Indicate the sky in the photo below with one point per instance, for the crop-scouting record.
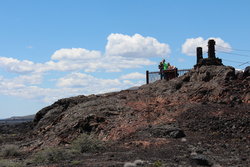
(62, 48)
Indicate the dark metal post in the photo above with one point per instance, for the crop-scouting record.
(211, 49)
(199, 54)
(177, 74)
(147, 77)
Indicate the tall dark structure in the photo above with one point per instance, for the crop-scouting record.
(211, 60)
(199, 54)
(211, 49)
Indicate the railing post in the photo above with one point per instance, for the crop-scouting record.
(147, 77)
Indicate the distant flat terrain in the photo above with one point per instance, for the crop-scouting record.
(19, 119)
(12, 121)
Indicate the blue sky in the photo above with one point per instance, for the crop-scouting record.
(62, 48)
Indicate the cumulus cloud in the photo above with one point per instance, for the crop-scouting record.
(135, 75)
(135, 46)
(122, 52)
(20, 81)
(22, 86)
(46, 95)
(75, 54)
(33, 79)
(190, 45)
(106, 64)
(70, 85)
(77, 79)
(75, 83)
(17, 66)
(92, 84)
(116, 64)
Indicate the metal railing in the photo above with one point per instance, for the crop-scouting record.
(155, 76)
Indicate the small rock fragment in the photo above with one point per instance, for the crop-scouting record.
(200, 159)
(129, 164)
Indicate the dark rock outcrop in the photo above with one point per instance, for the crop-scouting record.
(246, 72)
(116, 115)
(167, 131)
(209, 106)
(201, 160)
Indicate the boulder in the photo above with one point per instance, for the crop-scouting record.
(246, 72)
(201, 160)
(172, 131)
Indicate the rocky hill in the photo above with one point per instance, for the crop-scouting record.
(201, 118)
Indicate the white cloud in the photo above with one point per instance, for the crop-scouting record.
(75, 54)
(122, 52)
(135, 53)
(90, 83)
(22, 86)
(70, 85)
(46, 95)
(135, 75)
(135, 46)
(20, 81)
(190, 45)
(116, 64)
(29, 79)
(106, 64)
(17, 66)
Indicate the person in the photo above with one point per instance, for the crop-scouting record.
(161, 69)
(172, 71)
(170, 67)
(165, 65)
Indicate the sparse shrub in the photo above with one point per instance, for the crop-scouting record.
(87, 143)
(10, 151)
(51, 156)
(8, 163)
(1, 139)
(158, 164)
(75, 163)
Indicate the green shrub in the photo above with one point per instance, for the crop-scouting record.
(10, 151)
(158, 164)
(8, 163)
(51, 156)
(87, 143)
(75, 162)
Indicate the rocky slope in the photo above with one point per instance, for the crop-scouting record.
(201, 118)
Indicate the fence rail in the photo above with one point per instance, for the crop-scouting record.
(155, 75)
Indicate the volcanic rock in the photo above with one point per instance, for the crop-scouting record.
(246, 72)
(114, 116)
(201, 160)
(167, 131)
(209, 106)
